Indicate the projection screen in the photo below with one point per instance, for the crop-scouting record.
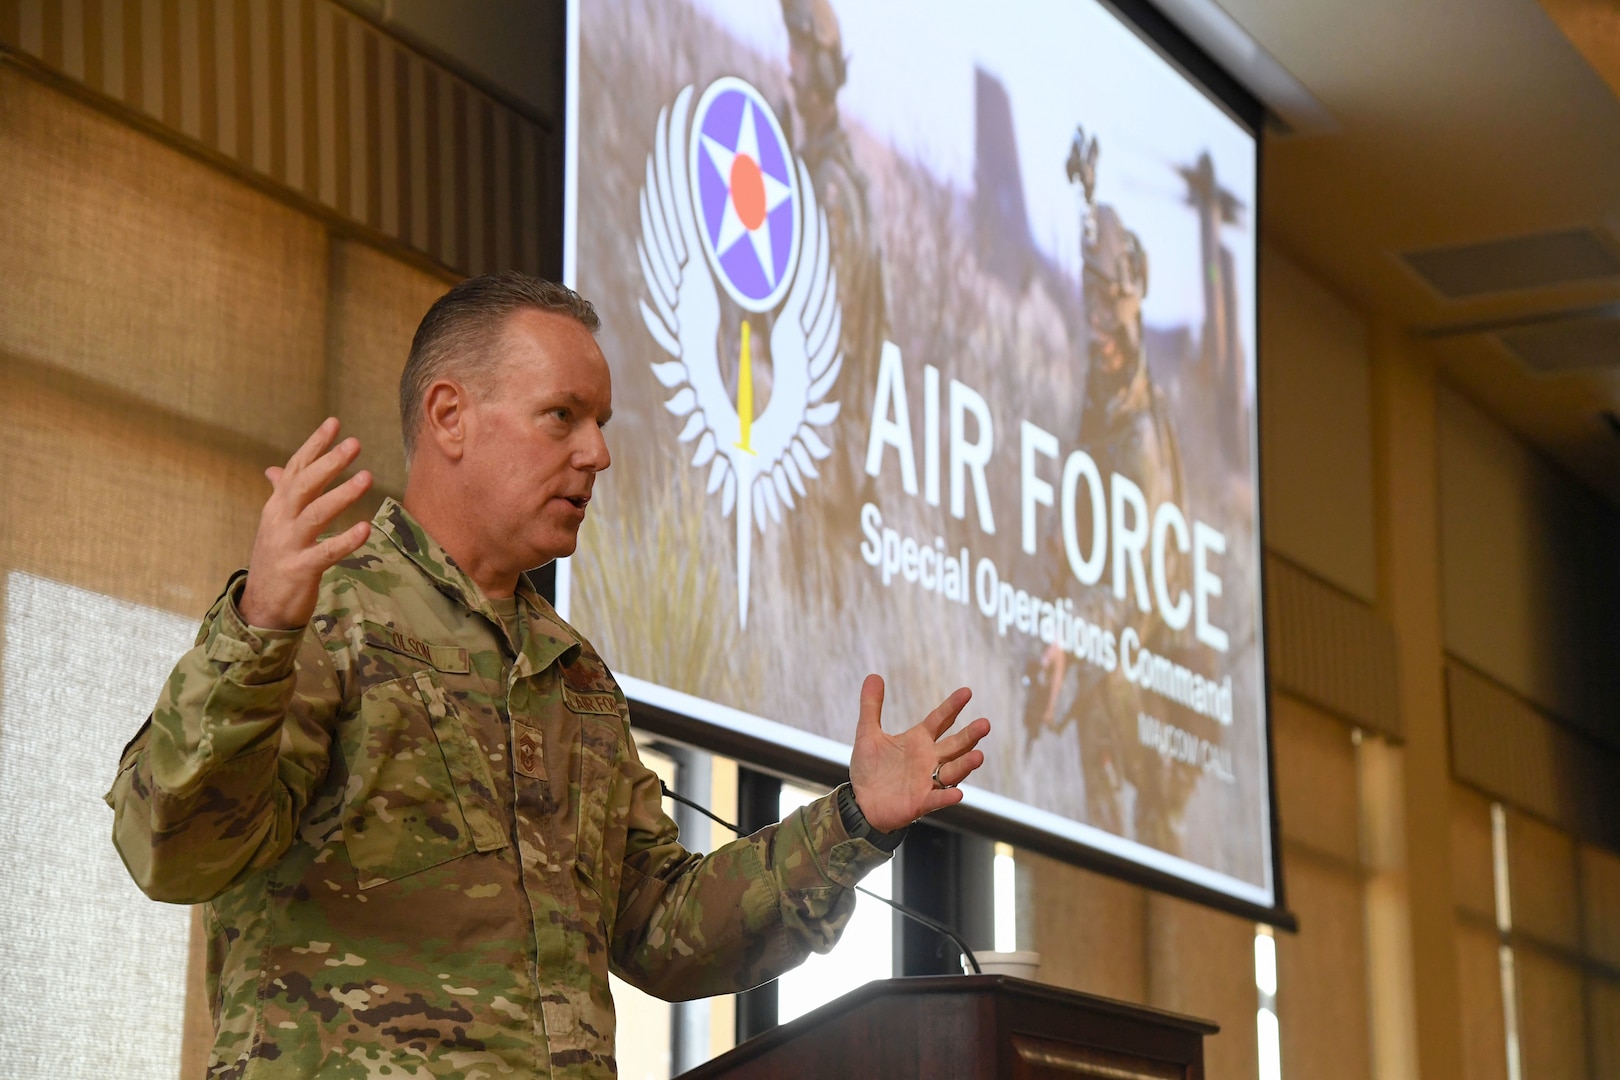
(933, 345)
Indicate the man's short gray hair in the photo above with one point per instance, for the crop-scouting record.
(459, 334)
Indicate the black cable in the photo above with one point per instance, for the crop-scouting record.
(916, 916)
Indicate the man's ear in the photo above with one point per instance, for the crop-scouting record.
(444, 417)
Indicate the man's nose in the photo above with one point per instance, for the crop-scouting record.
(593, 455)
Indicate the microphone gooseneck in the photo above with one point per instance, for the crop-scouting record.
(915, 916)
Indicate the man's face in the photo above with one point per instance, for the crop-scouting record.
(1113, 316)
(535, 440)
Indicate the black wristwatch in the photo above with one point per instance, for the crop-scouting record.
(857, 826)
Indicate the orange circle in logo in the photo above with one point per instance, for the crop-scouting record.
(748, 191)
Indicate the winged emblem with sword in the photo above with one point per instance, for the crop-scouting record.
(727, 206)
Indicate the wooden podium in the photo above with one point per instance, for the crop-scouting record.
(956, 1027)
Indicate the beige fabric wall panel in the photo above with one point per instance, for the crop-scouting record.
(1316, 782)
(1329, 648)
(1506, 747)
(1316, 428)
(1600, 907)
(1528, 571)
(1479, 987)
(377, 302)
(1088, 929)
(1322, 1003)
(1541, 870)
(1472, 875)
(143, 269)
(1603, 1016)
(1486, 478)
(321, 103)
(1201, 962)
(113, 498)
(1552, 1019)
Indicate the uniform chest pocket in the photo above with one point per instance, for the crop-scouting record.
(596, 755)
(419, 791)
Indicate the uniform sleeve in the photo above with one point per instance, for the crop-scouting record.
(213, 785)
(697, 925)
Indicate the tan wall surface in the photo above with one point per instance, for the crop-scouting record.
(1316, 428)
(1529, 570)
(1603, 1010)
(1546, 896)
(1316, 780)
(1323, 989)
(1600, 905)
(1484, 1036)
(1552, 1020)
(1322, 995)
(115, 500)
(320, 103)
(376, 303)
(1201, 962)
(136, 266)
(1472, 875)
(1089, 929)
(1507, 748)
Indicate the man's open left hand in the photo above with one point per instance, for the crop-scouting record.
(289, 554)
(894, 775)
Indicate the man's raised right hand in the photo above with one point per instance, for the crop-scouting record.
(289, 557)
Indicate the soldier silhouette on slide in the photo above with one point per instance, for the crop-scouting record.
(1126, 427)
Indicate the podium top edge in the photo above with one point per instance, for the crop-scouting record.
(1004, 988)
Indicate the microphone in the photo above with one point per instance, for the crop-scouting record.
(915, 916)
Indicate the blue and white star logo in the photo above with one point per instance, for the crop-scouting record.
(742, 174)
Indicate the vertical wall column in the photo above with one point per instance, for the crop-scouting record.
(1407, 505)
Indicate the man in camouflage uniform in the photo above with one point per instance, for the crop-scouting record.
(406, 791)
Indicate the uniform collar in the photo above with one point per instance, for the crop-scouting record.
(548, 637)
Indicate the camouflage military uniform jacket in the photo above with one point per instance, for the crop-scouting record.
(422, 845)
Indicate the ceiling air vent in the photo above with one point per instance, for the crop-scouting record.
(1520, 262)
(1569, 345)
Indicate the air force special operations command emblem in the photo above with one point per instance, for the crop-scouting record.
(726, 202)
